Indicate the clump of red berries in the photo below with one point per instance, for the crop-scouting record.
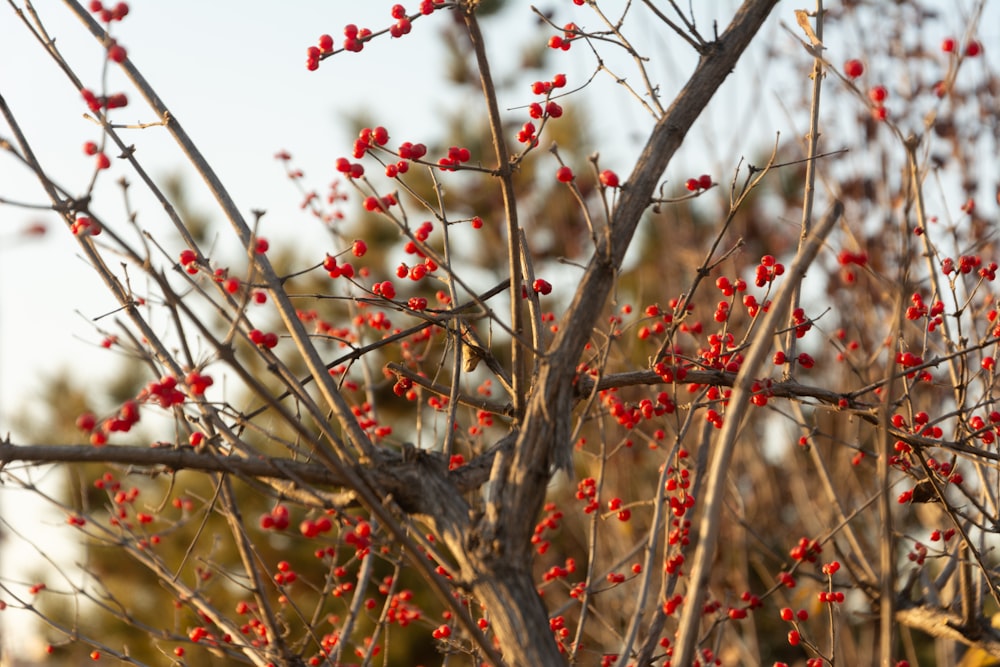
(703, 182)
(806, 550)
(96, 103)
(402, 25)
(84, 226)
(276, 519)
(457, 155)
(109, 14)
(570, 32)
(767, 270)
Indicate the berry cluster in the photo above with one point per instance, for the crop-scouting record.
(355, 38)
(106, 14)
(563, 43)
(703, 182)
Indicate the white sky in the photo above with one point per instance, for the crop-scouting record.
(234, 74)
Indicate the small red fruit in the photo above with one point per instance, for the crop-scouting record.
(564, 174)
(117, 53)
(609, 179)
(86, 422)
(878, 94)
(854, 68)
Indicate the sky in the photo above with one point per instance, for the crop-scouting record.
(234, 75)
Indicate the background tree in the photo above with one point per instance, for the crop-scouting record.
(531, 411)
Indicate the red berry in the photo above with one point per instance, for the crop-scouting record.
(609, 179)
(103, 162)
(418, 272)
(948, 44)
(90, 148)
(564, 174)
(878, 94)
(86, 422)
(308, 529)
(854, 68)
(93, 103)
(691, 184)
(325, 43)
(704, 181)
(973, 48)
(117, 53)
